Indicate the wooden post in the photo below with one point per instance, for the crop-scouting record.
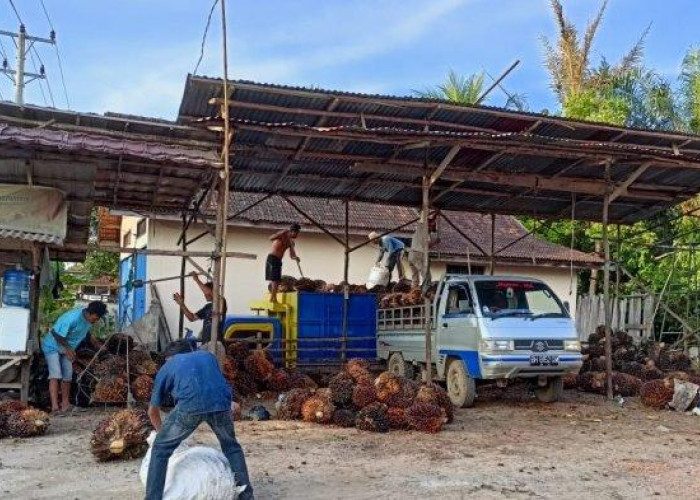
(183, 268)
(219, 276)
(493, 244)
(606, 286)
(346, 286)
(426, 267)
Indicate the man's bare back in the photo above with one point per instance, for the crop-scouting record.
(281, 242)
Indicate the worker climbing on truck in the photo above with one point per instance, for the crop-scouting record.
(205, 313)
(392, 246)
(281, 242)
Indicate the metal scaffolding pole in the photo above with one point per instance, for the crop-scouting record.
(606, 286)
(346, 284)
(183, 268)
(426, 267)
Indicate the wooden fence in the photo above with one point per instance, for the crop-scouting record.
(633, 313)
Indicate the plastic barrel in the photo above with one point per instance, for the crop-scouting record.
(15, 288)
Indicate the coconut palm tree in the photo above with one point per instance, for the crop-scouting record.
(690, 89)
(457, 88)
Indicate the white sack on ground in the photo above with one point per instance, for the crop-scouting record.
(195, 473)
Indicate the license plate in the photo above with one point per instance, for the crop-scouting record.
(543, 360)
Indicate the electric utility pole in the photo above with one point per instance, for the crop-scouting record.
(24, 44)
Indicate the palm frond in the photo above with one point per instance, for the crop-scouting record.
(633, 58)
(591, 31)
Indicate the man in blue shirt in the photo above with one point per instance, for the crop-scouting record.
(59, 345)
(201, 394)
(392, 246)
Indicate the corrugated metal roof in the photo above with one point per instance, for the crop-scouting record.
(310, 138)
(28, 236)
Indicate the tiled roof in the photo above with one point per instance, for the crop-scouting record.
(366, 217)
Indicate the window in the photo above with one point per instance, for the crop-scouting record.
(514, 298)
(126, 241)
(141, 228)
(461, 269)
(458, 300)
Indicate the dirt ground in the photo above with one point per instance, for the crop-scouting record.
(506, 447)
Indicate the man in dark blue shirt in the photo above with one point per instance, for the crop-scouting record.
(201, 394)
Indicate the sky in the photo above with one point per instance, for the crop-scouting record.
(132, 56)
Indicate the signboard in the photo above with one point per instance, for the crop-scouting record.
(33, 213)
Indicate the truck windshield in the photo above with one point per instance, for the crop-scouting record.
(514, 298)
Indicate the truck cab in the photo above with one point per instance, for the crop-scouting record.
(487, 328)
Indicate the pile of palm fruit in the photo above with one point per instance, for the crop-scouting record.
(354, 398)
(107, 376)
(21, 421)
(395, 294)
(647, 370)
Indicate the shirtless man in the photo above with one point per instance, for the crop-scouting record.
(281, 241)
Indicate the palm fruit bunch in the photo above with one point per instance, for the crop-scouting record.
(320, 285)
(358, 289)
(632, 368)
(120, 344)
(397, 418)
(301, 381)
(258, 365)
(341, 386)
(317, 409)
(3, 426)
(651, 372)
(436, 395)
(594, 350)
(27, 423)
(83, 357)
(414, 297)
(142, 388)
(598, 364)
(592, 382)
(141, 363)
(11, 406)
(424, 417)
(394, 390)
(110, 366)
(287, 284)
(291, 404)
(359, 370)
(625, 384)
(570, 380)
(403, 286)
(364, 394)
(344, 418)
(278, 380)
(238, 351)
(305, 285)
(229, 369)
(244, 384)
(121, 436)
(110, 389)
(373, 418)
(657, 393)
(674, 361)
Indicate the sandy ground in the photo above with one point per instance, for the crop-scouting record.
(505, 447)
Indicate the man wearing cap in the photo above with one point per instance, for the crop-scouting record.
(59, 345)
(392, 246)
(206, 312)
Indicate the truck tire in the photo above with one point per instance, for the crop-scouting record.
(552, 392)
(398, 366)
(460, 386)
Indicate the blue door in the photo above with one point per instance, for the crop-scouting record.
(132, 300)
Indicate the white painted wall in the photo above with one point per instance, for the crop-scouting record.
(321, 258)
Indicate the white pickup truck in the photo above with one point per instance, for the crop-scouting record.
(484, 328)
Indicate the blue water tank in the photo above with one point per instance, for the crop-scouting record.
(15, 288)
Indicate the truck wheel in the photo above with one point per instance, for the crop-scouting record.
(552, 391)
(398, 366)
(460, 386)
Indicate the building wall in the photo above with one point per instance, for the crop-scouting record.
(321, 258)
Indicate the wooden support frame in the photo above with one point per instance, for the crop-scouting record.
(606, 289)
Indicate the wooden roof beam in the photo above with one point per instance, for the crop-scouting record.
(622, 188)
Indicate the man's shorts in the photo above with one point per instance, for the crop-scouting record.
(60, 367)
(273, 268)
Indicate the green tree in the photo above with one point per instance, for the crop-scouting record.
(457, 88)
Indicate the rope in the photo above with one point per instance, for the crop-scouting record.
(204, 36)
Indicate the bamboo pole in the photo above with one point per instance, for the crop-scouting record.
(426, 267)
(346, 286)
(183, 269)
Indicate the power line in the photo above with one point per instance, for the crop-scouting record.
(58, 53)
(204, 36)
(16, 12)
